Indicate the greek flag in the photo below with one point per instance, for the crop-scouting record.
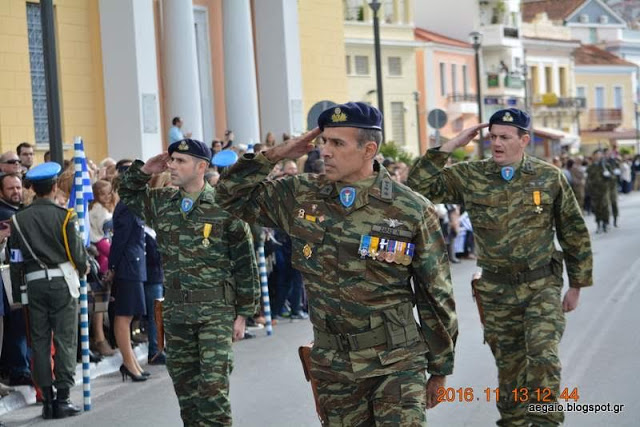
(81, 192)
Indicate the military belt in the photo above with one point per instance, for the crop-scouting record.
(516, 278)
(43, 274)
(350, 342)
(200, 295)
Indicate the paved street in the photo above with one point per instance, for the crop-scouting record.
(599, 353)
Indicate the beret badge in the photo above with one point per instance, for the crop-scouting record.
(338, 116)
(183, 146)
(507, 117)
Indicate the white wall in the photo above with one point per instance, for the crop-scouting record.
(130, 70)
(279, 70)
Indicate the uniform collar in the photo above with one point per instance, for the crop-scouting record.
(526, 166)
(381, 188)
(208, 195)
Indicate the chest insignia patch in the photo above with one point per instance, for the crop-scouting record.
(347, 196)
(186, 204)
(507, 173)
(306, 251)
(393, 223)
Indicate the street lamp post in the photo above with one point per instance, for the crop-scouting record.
(476, 42)
(375, 7)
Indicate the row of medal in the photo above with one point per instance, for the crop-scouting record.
(386, 250)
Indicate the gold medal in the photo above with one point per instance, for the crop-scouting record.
(206, 232)
(306, 251)
(536, 201)
(399, 255)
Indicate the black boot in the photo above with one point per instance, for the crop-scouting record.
(62, 407)
(599, 227)
(604, 226)
(47, 403)
(615, 221)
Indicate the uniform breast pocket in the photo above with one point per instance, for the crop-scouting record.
(537, 211)
(487, 211)
(307, 240)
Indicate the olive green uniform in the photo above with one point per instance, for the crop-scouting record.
(52, 308)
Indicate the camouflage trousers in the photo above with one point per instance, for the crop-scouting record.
(199, 361)
(523, 326)
(600, 203)
(613, 198)
(397, 399)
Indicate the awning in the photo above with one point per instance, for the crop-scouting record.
(564, 138)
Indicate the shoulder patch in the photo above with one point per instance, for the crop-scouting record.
(16, 256)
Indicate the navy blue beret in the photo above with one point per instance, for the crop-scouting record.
(351, 115)
(44, 172)
(511, 117)
(191, 147)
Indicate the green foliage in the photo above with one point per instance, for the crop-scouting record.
(458, 154)
(393, 151)
(625, 151)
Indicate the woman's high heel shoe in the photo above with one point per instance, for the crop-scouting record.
(126, 373)
(145, 374)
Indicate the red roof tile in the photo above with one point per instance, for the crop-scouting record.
(557, 10)
(591, 55)
(429, 36)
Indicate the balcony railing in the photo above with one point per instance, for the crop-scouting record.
(604, 118)
(552, 101)
(462, 97)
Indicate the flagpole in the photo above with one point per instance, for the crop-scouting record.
(264, 286)
(84, 306)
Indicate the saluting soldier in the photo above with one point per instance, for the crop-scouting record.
(599, 178)
(45, 248)
(517, 205)
(211, 276)
(361, 241)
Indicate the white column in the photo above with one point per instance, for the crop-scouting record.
(241, 93)
(180, 66)
(279, 70)
(130, 78)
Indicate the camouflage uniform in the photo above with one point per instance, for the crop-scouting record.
(578, 180)
(599, 178)
(614, 167)
(206, 286)
(513, 223)
(369, 354)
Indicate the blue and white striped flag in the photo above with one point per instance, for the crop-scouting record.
(81, 192)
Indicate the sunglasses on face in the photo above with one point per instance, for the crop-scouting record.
(12, 162)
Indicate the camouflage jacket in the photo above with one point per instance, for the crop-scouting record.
(348, 292)
(599, 177)
(513, 221)
(229, 258)
(42, 226)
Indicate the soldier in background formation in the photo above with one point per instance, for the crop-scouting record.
(599, 179)
(360, 239)
(517, 204)
(211, 276)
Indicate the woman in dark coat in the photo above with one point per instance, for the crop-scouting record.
(128, 266)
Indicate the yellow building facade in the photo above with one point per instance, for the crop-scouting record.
(322, 52)
(79, 72)
(609, 85)
(398, 63)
